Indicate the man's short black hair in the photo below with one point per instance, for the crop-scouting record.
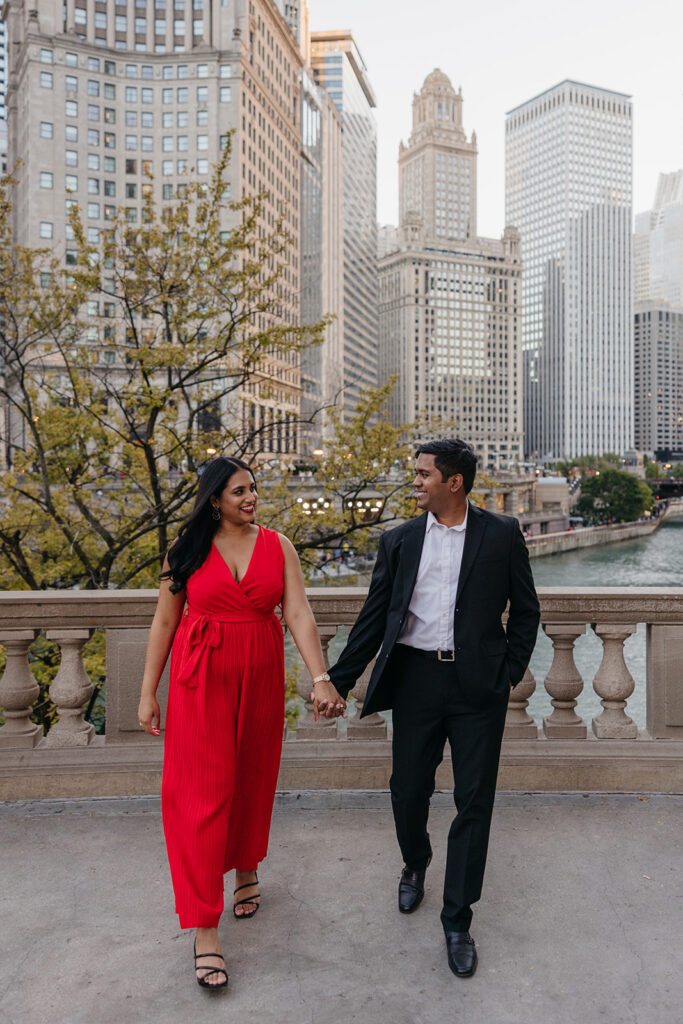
(451, 456)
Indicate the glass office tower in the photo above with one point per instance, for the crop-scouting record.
(568, 191)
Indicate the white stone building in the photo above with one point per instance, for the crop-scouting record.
(449, 300)
(568, 191)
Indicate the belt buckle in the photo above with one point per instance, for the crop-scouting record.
(445, 655)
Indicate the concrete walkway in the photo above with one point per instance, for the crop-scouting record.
(581, 920)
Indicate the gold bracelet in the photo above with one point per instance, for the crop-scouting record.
(324, 677)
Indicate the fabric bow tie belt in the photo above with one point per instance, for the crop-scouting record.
(204, 633)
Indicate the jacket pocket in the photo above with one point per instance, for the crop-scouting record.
(497, 646)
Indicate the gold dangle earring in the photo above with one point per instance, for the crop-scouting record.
(215, 512)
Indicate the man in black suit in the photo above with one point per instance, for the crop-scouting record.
(445, 667)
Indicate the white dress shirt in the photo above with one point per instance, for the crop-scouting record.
(429, 621)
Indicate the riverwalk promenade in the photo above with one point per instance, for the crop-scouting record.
(580, 920)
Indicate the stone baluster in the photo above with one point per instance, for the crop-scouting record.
(18, 691)
(564, 683)
(306, 727)
(614, 684)
(70, 690)
(519, 725)
(372, 727)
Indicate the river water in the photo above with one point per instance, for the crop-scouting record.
(654, 561)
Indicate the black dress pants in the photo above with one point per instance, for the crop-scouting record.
(428, 710)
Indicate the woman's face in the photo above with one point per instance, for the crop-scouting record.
(237, 500)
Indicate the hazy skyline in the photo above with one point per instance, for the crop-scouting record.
(502, 54)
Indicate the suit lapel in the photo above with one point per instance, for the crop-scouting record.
(476, 527)
(411, 552)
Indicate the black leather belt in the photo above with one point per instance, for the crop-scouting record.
(432, 655)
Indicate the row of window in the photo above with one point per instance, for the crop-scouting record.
(182, 93)
(136, 71)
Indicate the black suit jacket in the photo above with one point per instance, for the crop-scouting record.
(494, 571)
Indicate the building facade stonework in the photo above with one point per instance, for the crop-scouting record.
(450, 301)
(106, 105)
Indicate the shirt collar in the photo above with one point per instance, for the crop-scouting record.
(433, 522)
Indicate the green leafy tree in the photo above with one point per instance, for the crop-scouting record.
(613, 496)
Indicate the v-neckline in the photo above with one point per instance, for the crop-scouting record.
(238, 583)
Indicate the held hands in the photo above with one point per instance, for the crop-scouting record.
(149, 715)
(326, 701)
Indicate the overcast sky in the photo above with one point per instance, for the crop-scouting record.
(504, 52)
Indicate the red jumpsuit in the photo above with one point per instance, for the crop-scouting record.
(224, 727)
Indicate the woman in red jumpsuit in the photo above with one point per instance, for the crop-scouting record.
(222, 581)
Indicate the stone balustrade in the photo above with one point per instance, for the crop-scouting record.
(562, 751)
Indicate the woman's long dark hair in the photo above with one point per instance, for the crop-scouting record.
(193, 545)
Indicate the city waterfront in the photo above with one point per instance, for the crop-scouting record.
(654, 561)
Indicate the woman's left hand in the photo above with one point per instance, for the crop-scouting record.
(326, 701)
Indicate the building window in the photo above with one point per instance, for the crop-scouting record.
(183, 71)
(225, 71)
(167, 143)
(94, 186)
(71, 108)
(182, 166)
(109, 66)
(71, 60)
(71, 157)
(80, 16)
(225, 93)
(167, 119)
(71, 83)
(120, 23)
(131, 166)
(167, 95)
(93, 162)
(109, 115)
(179, 28)
(202, 118)
(47, 130)
(224, 141)
(147, 71)
(109, 164)
(198, 28)
(93, 211)
(147, 119)
(131, 71)
(109, 214)
(183, 119)
(166, 167)
(109, 91)
(110, 188)
(46, 229)
(182, 94)
(141, 26)
(46, 57)
(147, 143)
(109, 140)
(93, 136)
(147, 95)
(93, 87)
(46, 179)
(202, 71)
(202, 94)
(132, 118)
(182, 143)
(202, 142)
(131, 191)
(167, 191)
(46, 79)
(131, 142)
(131, 94)
(93, 112)
(94, 64)
(71, 182)
(203, 166)
(131, 214)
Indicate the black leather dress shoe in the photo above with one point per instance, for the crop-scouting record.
(411, 889)
(462, 953)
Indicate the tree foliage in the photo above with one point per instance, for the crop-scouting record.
(613, 496)
(123, 373)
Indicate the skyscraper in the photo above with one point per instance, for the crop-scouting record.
(3, 86)
(100, 97)
(658, 245)
(568, 191)
(658, 321)
(449, 300)
(339, 68)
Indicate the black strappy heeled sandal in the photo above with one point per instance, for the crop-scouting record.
(209, 970)
(240, 903)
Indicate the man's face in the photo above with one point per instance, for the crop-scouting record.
(431, 492)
